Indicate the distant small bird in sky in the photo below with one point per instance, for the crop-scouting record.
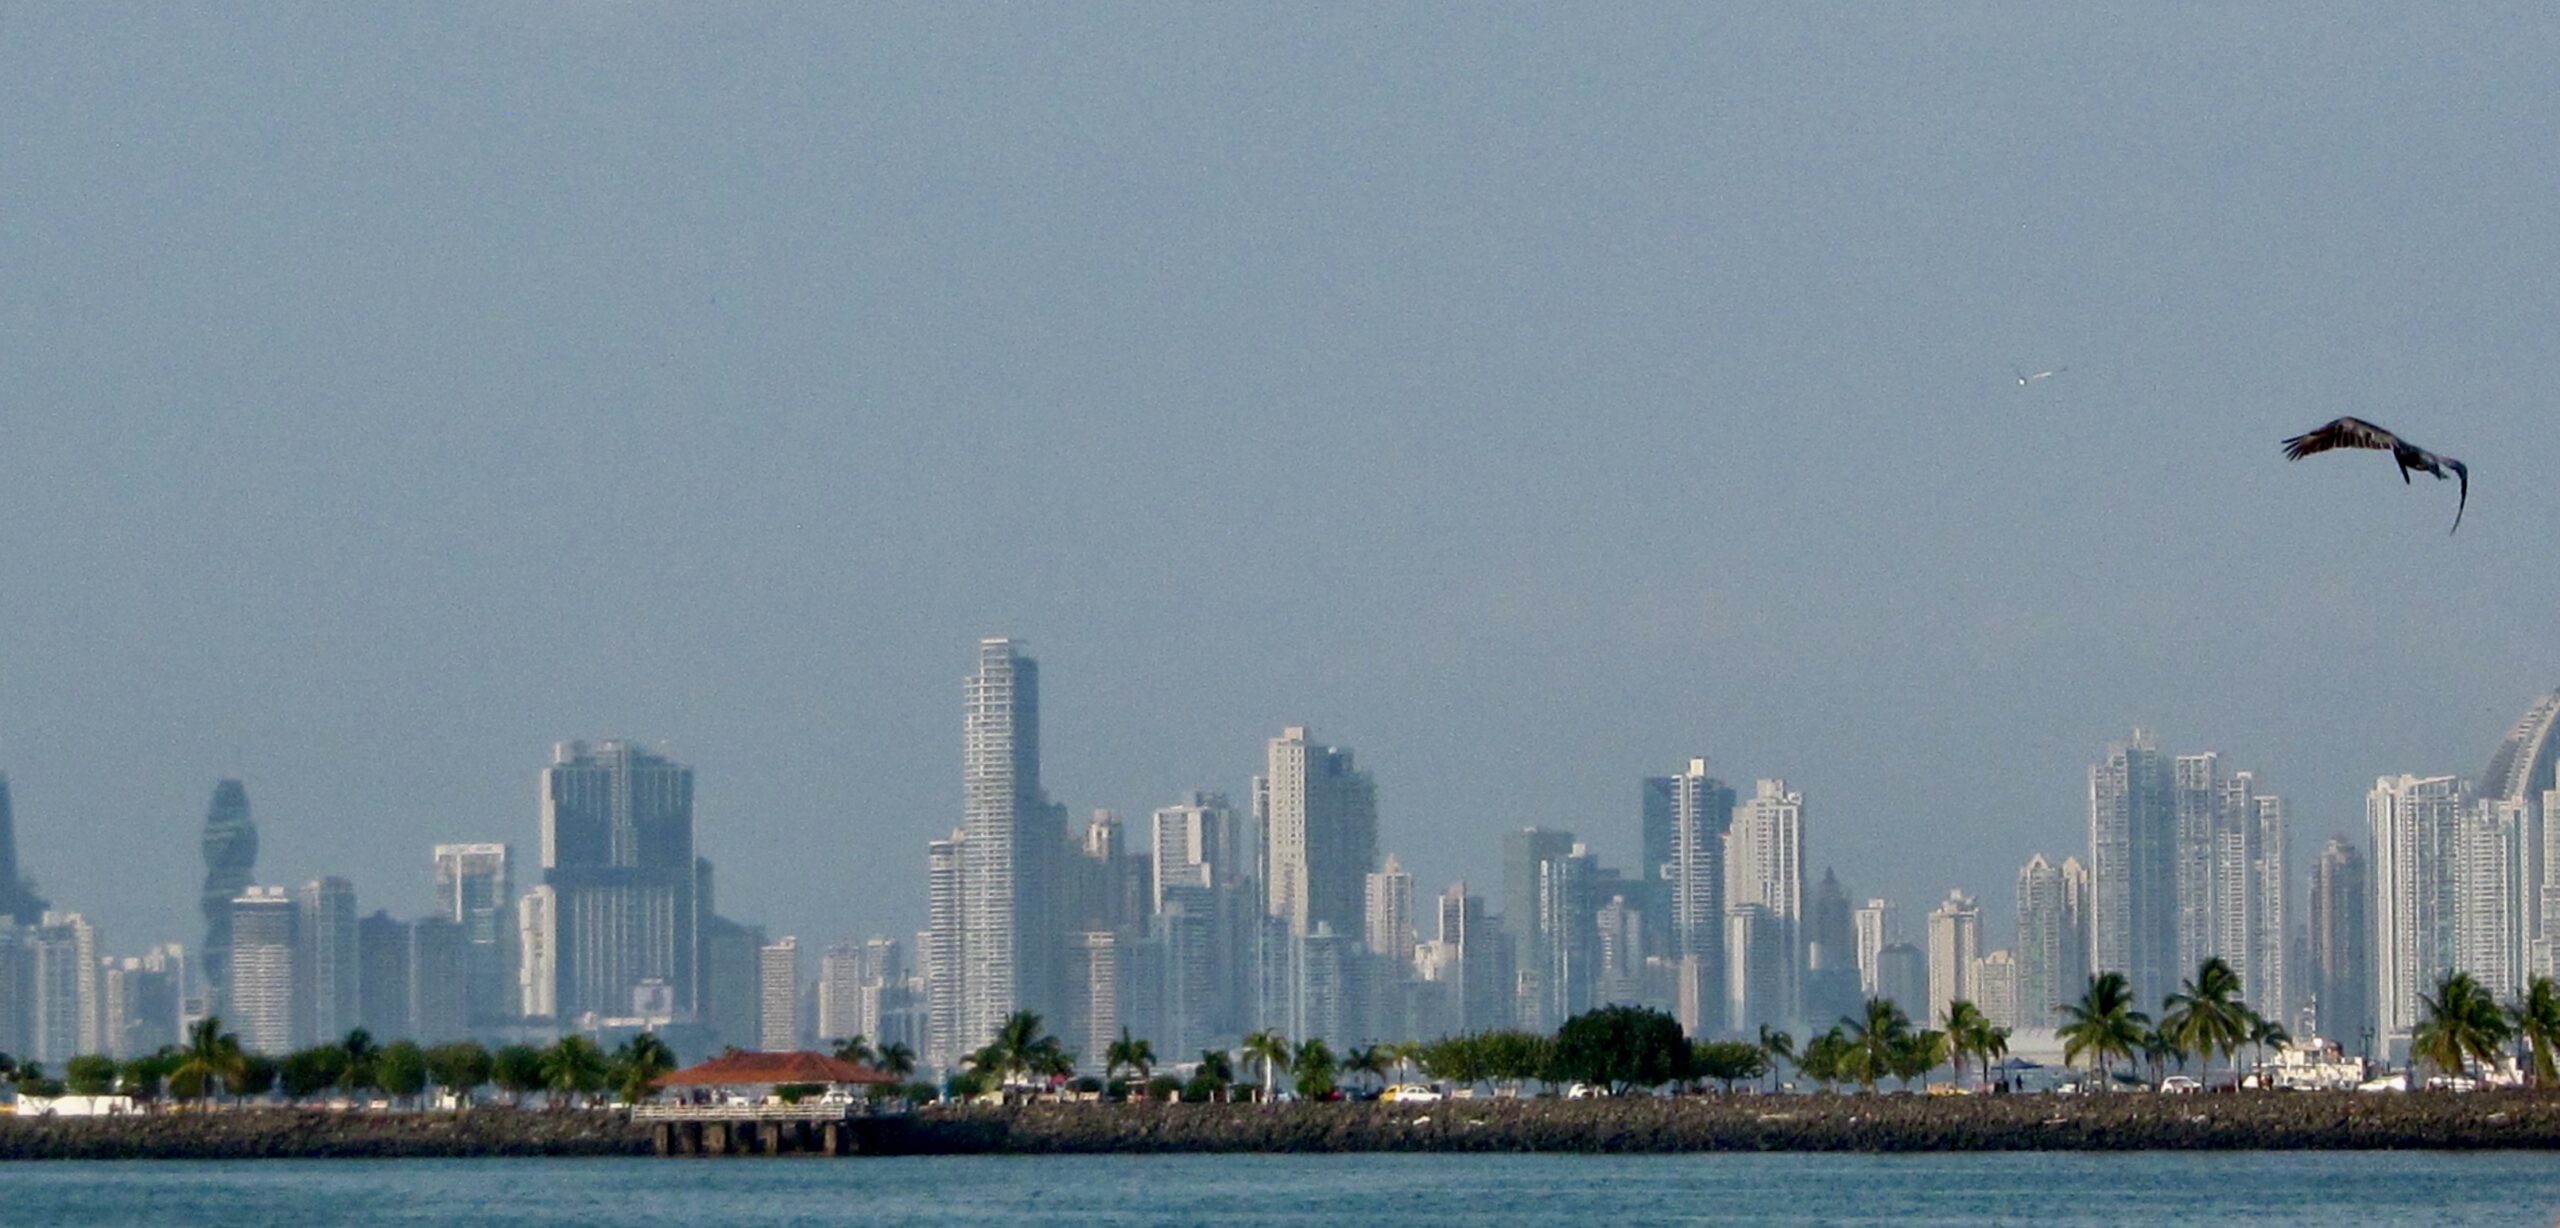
(2358, 433)
(2025, 379)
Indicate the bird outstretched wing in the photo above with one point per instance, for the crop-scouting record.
(2343, 433)
(2462, 472)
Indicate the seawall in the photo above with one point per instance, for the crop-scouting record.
(2125, 1122)
(272, 1133)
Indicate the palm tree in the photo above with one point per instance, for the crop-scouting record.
(2102, 1024)
(1964, 1023)
(2206, 1016)
(211, 1061)
(1822, 1058)
(2536, 1017)
(573, 1067)
(638, 1064)
(2457, 1025)
(2160, 1050)
(1371, 1060)
(1408, 1055)
(1135, 1054)
(1778, 1047)
(1271, 1049)
(2261, 1033)
(1217, 1072)
(1875, 1040)
(897, 1059)
(855, 1049)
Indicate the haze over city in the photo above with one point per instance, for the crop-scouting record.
(1527, 400)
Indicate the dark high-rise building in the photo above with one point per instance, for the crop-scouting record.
(230, 857)
(2341, 942)
(19, 902)
(475, 890)
(382, 975)
(618, 855)
(1553, 923)
(2133, 867)
(1902, 978)
(1831, 954)
(439, 981)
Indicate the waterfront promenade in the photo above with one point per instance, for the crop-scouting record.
(2124, 1122)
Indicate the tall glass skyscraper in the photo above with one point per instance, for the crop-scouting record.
(19, 902)
(1013, 844)
(230, 856)
(474, 889)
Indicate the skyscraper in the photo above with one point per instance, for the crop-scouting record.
(475, 889)
(2133, 923)
(63, 998)
(1879, 925)
(942, 945)
(1010, 948)
(1764, 865)
(439, 976)
(259, 1002)
(840, 980)
(618, 855)
(778, 996)
(19, 902)
(1955, 943)
(2052, 955)
(382, 975)
(1321, 821)
(1700, 809)
(1194, 841)
(230, 856)
(1549, 915)
(1831, 987)
(1389, 925)
(2416, 823)
(2341, 972)
(326, 972)
(2490, 895)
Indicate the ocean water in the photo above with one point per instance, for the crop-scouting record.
(2138, 1188)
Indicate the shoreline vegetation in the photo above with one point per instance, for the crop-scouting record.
(1624, 1125)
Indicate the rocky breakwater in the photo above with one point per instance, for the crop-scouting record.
(268, 1133)
(2123, 1122)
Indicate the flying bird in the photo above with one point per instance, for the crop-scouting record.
(2358, 433)
(2025, 379)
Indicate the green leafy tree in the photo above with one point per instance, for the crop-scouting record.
(356, 1072)
(257, 1074)
(855, 1049)
(2458, 1024)
(1313, 1068)
(519, 1071)
(2103, 1024)
(2161, 1050)
(31, 1080)
(1370, 1062)
(143, 1078)
(1269, 1050)
(308, 1072)
(1620, 1048)
(1513, 1058)
(90, 1074)
(401, 1070)
(211, 1063)
(1823, 1058)
(1917, 1054)
(460, 1068)
(1457, 1059)
(1729, 1061)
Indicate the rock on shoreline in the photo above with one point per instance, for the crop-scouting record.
(2268, 1121)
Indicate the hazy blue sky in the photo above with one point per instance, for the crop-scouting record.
(1528, 398)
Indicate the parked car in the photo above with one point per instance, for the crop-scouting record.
(1584, 1091)
(2179, 1085)
(1410, 1093)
